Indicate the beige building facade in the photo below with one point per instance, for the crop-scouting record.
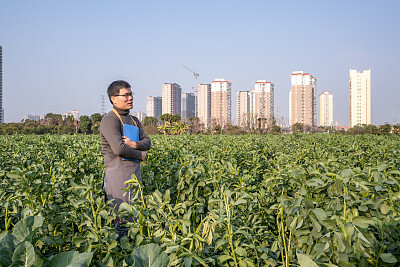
(302, 99)
(243, 109)
(360, 97)
(263, 103)
(221, 102)
(204, 103)
(171, 98)
(326, 109)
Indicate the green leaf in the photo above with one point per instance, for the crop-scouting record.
(309, 204)
(241, 252)
(224, 258)
(188, 262)
(320, 214)
(167, 197)
(346, 173)
(70, 259)
(125, 207)
(150, 255)
(362, 222)
(305, 260)
(317, 226)
(388, 258)
(25, 229)
(240, 201)
(24, 255)
(7, 248)
(385, 208)
(171, 249)
(382, 167)
(362, 237)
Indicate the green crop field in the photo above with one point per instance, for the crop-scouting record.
(293, 200)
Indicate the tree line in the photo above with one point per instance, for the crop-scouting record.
(169, 124)
(55, 124)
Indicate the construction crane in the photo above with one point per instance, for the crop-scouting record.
(195, 88)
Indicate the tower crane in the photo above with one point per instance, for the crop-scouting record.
(195, 88)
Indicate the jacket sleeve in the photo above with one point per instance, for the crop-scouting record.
(144, 142)
(110, 127)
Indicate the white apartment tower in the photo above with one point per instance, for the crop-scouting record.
(1, 86)
(154, 106)
(221, 102)
(360, 97)
(263, 101)
(171, 98)
(204, 103)
(326, 109)
(243, 109)
(302, 99)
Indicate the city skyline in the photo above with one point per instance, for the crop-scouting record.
(52, 63)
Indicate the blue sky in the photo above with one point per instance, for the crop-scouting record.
(62, 55)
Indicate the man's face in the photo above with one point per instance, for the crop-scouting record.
(124, 100)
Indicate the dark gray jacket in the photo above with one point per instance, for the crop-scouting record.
(111, 132)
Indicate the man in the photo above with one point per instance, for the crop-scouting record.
(122, 155)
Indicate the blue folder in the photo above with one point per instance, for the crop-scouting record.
(132, 132)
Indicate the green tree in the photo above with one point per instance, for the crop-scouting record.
(275, 129)
(150, 121)
(396, 129)
(385, 129)
(85, 124)
(96, 119)
(176, 118)
(170, 118)
(53, 119)
(298, 127)
(166, 117)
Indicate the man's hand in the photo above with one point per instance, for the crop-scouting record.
(129, 142)
(143, 155)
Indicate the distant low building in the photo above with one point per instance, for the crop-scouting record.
(32, 117)
(339, 128)
(139, 114)
(74, 113)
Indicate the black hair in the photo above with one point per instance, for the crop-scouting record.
(115, 86)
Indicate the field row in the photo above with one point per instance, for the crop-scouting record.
(313, 200)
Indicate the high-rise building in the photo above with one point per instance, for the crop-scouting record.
(326, 109)
(243, 109)
(221, 102)
(263, 102)
(302, 99)
(171, 98)
(204, 103)
(154, 106)
(1, 86)
(187, 105)
(360, 97)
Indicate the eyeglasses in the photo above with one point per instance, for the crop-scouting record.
(126, 95)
